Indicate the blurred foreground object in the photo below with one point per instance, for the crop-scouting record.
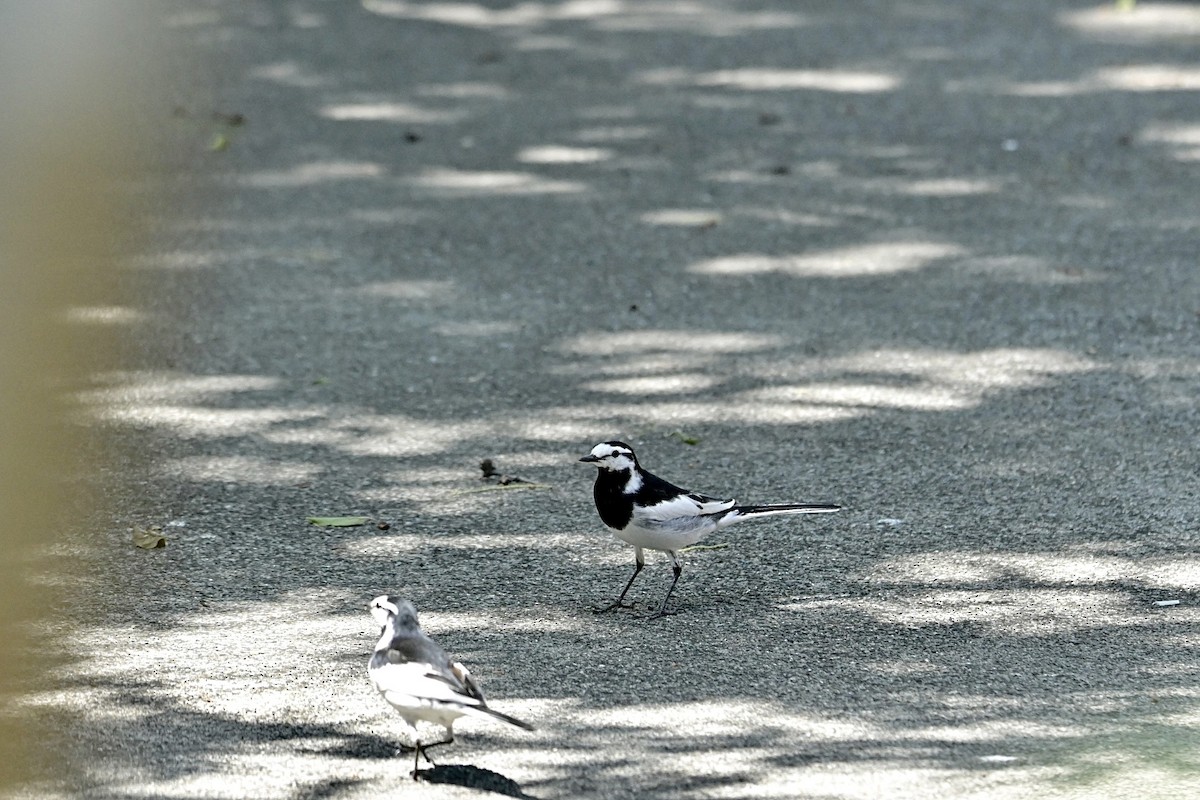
(61, 142)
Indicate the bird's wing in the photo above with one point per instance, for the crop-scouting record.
(711, 505)
(466, 681)
(418, 666)
(669, 500)
(423, 681)
(414, 672)
(415, 646)
(681, 506)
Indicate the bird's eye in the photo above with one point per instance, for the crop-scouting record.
(614, 454)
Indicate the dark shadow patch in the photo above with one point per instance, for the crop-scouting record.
(473, 778)
(325, 789)
(361, 747)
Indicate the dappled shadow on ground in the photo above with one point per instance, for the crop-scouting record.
(936, 266)
(889, 676)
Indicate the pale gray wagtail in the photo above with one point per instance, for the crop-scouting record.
(418, 679)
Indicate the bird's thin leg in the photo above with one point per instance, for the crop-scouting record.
(677, 568)
(638, 562)
(449, 740)
(424, 749)
(417, 759)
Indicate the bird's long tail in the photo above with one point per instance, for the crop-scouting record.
(484, 711)
(738, 513)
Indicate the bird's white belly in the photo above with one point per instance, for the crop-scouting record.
(666, 536)
(414, 708)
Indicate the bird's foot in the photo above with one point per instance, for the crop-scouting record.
(613, 606)
(417, 772)
(423, 750)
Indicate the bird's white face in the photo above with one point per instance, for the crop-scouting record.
(383, 609)
(612, 456)
(394, 612)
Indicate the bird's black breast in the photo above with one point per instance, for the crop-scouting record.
(615, 507)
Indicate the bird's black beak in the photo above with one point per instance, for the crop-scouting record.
(590, 459)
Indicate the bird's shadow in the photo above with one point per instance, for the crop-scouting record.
(473, 778)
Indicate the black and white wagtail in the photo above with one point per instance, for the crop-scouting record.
(418, 679)
(653, 514)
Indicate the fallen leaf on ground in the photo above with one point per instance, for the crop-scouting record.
(149, 538)
(685, 438)
(338, 522)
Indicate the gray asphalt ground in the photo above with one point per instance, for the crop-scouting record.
(934, 261)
